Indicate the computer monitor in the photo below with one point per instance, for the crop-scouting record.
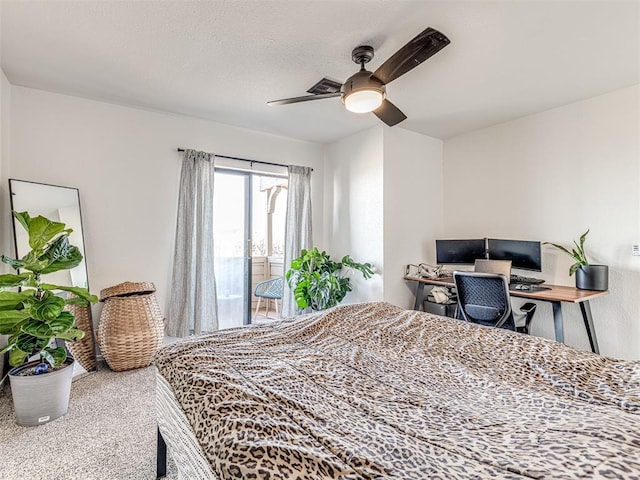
(463, 252)
(523, 254)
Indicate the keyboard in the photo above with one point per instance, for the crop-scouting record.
(525, 280)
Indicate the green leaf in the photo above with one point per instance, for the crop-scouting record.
(46, 356)
(300, 294)
(28, 343)
(81, 292)
(48, 308)
(13, 300)
(9, 320)
(583, 237)
(64, 322)
(58, 328)
(59, 248)
(55, 356)
(17, 357)
(37, 329)
(559, 247)
(580, 248)
(23, 218)
(15, 264)
(32, 262)
(77, 301)
(42, 231)
(12, 280)
(70, 259)
(364, 268)
(72, 335)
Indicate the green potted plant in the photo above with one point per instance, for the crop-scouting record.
(588, 276)
(35, 319)
(318, 282)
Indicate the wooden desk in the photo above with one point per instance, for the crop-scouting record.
(555, 295)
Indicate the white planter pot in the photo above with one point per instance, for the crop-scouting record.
(38, 399)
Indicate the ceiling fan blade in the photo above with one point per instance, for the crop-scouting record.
(415, 52)
(389, 113)
(306, 98)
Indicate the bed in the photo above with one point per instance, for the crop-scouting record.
(371, 391)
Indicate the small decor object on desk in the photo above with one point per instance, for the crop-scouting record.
(588, 276)
(131, 325)
(317, 281)
(35, 318)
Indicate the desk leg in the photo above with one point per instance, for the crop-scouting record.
(585, 308)
(557, 321)
(419, 296)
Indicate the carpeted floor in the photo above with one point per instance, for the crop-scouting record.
(109, 432)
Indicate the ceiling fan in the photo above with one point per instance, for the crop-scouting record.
(366, 91)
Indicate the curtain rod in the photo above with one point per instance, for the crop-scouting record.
(247, 160)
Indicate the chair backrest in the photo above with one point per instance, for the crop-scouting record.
(270, 288)
(494, 266)
(484, 298)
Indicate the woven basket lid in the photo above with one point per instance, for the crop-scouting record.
(127, 289)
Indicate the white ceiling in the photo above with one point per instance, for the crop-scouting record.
(223, 60)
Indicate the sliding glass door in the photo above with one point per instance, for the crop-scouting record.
(249, 213)
(231, 225)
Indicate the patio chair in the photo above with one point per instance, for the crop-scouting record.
(269, 290)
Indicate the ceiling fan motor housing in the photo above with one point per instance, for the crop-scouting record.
(362, 54)
(363, 80)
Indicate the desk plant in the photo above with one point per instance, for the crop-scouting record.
(577, 253)
(318, 282)
(588, 276)
(35, 317)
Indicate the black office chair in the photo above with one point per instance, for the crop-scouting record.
(484, 298)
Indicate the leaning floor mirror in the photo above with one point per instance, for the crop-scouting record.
(61, 204)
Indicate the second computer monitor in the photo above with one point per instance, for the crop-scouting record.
(522, 253)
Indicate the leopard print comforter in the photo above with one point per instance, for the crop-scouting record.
(370, 391)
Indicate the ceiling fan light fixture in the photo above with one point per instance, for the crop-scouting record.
(364, 101)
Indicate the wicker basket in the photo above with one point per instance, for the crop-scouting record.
(84, 350)
(131, 325)
(126, 289)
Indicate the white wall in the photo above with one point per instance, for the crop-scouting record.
(383, 204)
(549, 177)
(125, 163)
(354, 207)
(413, 182)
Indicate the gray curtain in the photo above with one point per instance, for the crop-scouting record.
(193, 303)
(297, 233)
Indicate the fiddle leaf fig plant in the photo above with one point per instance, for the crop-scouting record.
(35, 316)
(318, 282)
(576, 253)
